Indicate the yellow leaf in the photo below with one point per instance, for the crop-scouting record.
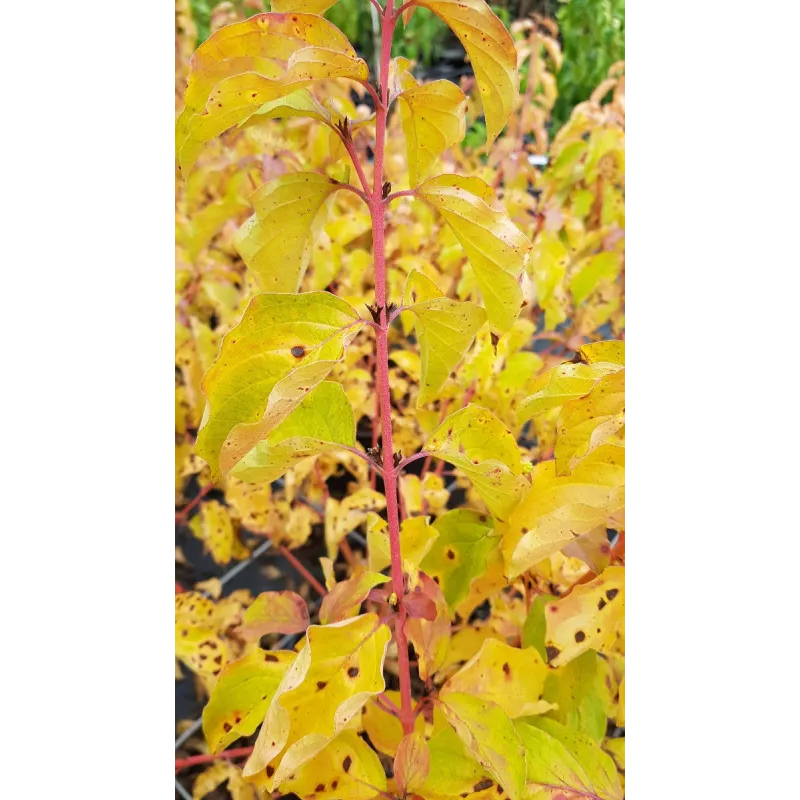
(347, 767)
(589, 422)
(445, 330)
(454, 772)
(512, 678)
(416, 538)
(346, 515)
(589, 274)
(276, 242)
(621, 706)
(242, 66)
(586, 618)
(495, 247)
(489, 734)
(275, 612)
(465, 643)
(318, 7)
(433, 117)
(322, 422)
(384, 730)
(548, 266)
(412, 763)
(219, 773)
(561, 384)
(242, 695)
(557, 509)
(474, 440)
(344, 599)
(339, 668)
(491, 52)
(214, 528)
(277, 334)
(611, 351)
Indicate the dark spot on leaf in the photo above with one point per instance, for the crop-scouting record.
(334, 784)
(353, 672)
(450, 554)
(507, 671)
(320, 787)
(484, 784)
(580, 636)
(321, 684)
(612, 593)
(346, 763)
(298, 351)
(270, 657)
(552, 652)
(601, 605)
(270, 770)
(226, 726)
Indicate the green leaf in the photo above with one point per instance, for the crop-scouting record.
(277, 334)
(322, 422)
(454, 770)
(490, 735)
(495, 247)
(460, 552)
(242, 695)
(580, 692)
(600, 267)
(561, 761)
(474, 440)
(276, 242)
(534, 630)
(445, 330)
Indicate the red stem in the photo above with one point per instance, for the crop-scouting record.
(290, 557)
(377, 212)
(180, 517)
(236, 752)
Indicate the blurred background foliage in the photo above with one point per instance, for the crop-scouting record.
(591, 33)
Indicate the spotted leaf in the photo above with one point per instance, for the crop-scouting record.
(275, 612)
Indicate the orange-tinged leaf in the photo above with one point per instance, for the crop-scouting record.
(474, 440)
(276, 242)
(511, 677)
(429, 637)
(491, 52)
(275, 612)
(491, 737)
(587, 618)
(412, 763)
(495, 247)
(277, 334)
(433, 117)
(339, 668)
(242, 66)
(242, 695)
(345, 598)
(347, 767)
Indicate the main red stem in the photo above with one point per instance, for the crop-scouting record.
(377, 211)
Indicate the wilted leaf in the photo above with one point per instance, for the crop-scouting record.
(508, 676)
(214, 528)
(489, 734)
(460, 552)
(430, 638)
(412, 763)
(493, 244)
(586, 618)
(474, 440)
(445, 330)
(338, 669)
(242, 695)
(321, 422)
(276, 242)
(242, 66)
(275, 612)
(344, 599)
(384, 730)
(219, 773)
(347, 767)
(491, 52)
(277, 334)
(346, 515)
